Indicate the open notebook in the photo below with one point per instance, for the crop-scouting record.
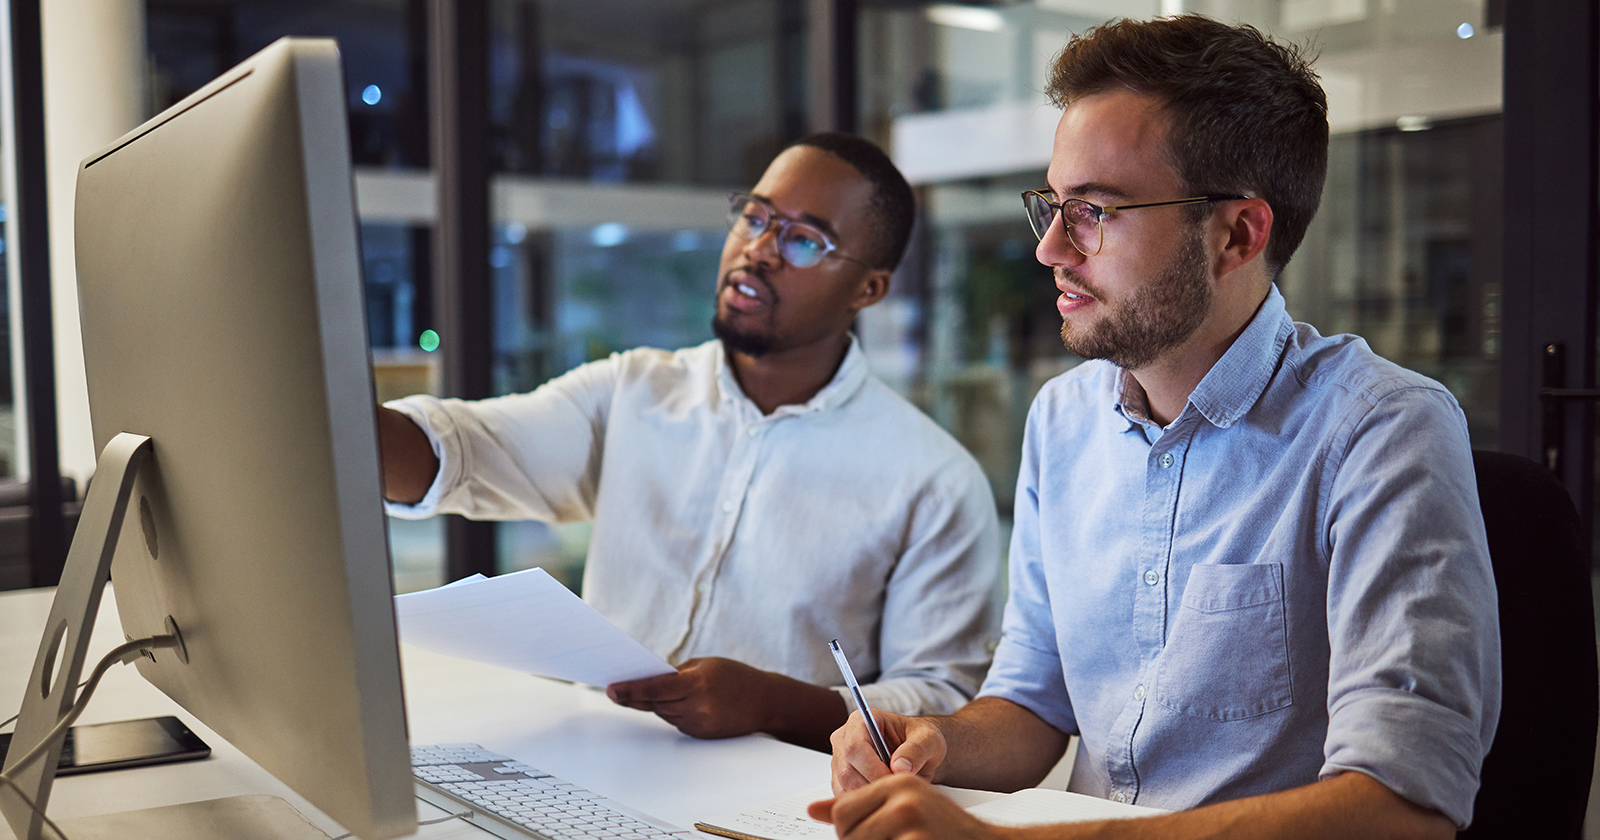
(785, 819)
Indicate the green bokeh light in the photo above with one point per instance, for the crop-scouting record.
(429, 340)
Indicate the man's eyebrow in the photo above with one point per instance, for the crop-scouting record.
(815, 221)
(1094, 188)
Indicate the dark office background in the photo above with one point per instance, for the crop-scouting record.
(680, 102)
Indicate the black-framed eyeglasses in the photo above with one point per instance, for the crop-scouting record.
(801, 244)
(1085, 221)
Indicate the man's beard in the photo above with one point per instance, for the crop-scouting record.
(1152, 320)
(737, 341)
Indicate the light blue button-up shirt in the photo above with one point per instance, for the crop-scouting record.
(1288, 581)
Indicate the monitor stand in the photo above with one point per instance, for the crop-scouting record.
(59, 667)
(253, 817)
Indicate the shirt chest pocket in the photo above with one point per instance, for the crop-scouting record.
(1227, 655)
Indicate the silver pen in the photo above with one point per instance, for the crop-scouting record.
(873, 732)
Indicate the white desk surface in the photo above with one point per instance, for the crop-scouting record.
(571, 731)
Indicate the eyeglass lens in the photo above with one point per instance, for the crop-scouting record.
(800, 244)
(1080, 218)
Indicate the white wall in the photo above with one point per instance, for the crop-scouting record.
(93, 94)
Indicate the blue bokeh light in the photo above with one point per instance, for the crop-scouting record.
(608, 235)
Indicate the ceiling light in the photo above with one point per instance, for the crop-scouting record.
(1414, 122)
(966, 17)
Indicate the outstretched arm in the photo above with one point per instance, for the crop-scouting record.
(409, 465)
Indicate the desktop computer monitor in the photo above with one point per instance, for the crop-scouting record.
(220, 292)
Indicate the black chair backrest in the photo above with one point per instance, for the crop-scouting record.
(1536, 777)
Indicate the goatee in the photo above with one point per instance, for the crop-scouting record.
(737, 341)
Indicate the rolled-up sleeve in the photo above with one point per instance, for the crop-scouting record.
(1414, 665)
(526, 456)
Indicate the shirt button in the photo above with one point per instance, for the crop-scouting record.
(1119, 798)
(752, 431)
(1151, 577)
(1138, 692)
(1166, 460)
(727, 507)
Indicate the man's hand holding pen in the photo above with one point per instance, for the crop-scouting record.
(916, 747)
(873, 801)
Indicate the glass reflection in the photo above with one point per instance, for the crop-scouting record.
(1405, 250)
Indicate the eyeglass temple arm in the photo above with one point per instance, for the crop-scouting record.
(1199, 199)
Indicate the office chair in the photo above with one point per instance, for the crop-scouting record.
(1537, 774)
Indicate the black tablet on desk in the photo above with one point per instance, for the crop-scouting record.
(125, 743)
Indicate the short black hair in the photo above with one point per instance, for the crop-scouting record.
(892, 203)
(1248, 113)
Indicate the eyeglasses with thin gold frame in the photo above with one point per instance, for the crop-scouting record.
(801, 244)
(1085, 221)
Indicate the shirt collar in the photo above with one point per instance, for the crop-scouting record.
(1128, 399)
(846, 381)
(1238, 379)
(1234, 383)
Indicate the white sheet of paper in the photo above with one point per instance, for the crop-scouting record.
(1040, 806)
(527, 621)
(780, 819)
(786, 818)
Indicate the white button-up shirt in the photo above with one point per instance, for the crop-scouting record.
(720, 531)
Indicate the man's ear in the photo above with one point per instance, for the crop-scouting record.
(1247, 227)
(873, 288)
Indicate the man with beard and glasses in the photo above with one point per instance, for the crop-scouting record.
(1248, 567)
(758, 495)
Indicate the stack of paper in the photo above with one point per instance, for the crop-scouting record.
(528, 621)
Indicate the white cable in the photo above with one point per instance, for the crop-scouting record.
(122, 653)
(461, 816)
(62, 835)
(19, 714)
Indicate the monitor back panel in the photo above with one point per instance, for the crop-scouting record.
(222, 315)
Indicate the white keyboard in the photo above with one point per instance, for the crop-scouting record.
(513, 801)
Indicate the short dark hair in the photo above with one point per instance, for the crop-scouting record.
(1248, 114)
(892, 202)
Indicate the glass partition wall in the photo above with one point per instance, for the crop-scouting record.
(1405, 250)
(618, 126)
(622, 126)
